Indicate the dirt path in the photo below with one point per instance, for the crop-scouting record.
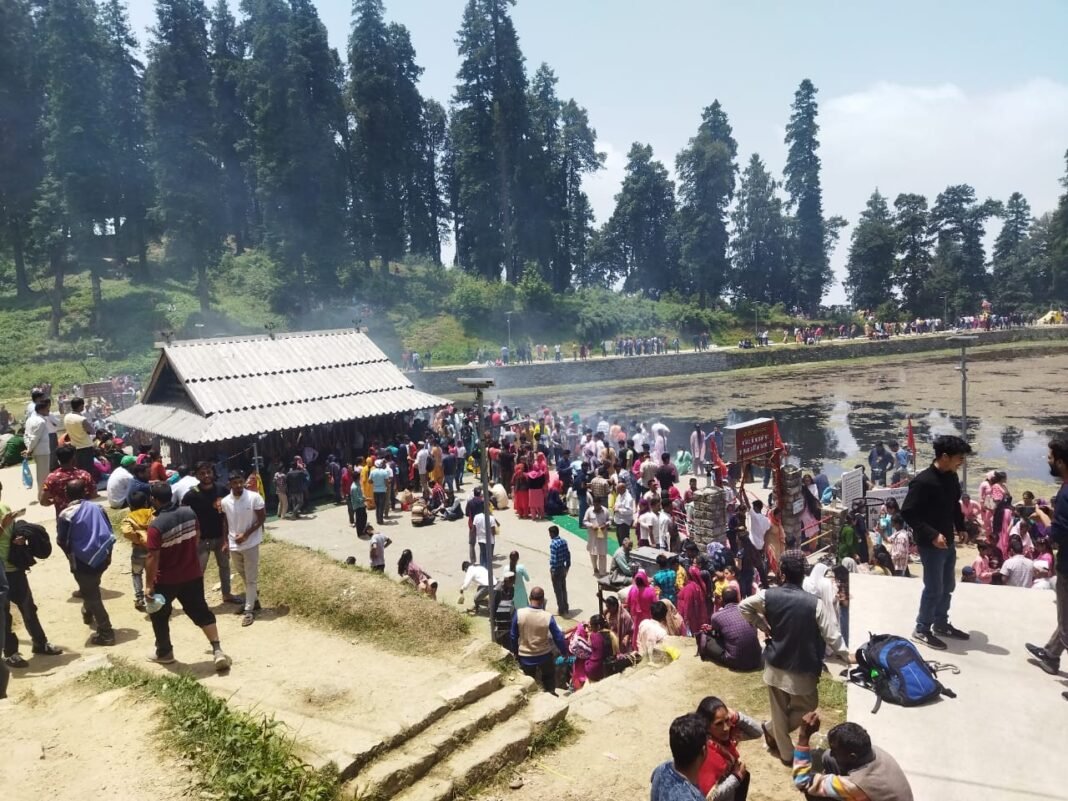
(70, 744)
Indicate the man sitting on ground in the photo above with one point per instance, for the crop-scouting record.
(732, 640)
(854, 768)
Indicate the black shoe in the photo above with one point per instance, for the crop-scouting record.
(949, 630)
(928, 639)
(1049, 663)
(47, 649)
(16, 661)
(103, 638)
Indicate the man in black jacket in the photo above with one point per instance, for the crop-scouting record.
(932, 510)
(1049, 657)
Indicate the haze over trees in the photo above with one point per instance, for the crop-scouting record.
(239, 127)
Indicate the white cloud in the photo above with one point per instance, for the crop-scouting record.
(603, 185)
(924, 138)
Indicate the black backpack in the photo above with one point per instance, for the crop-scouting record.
(37, 546)
(893, 669)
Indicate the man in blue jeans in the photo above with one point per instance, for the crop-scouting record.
(932, 510)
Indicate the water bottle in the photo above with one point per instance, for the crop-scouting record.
(154, 603)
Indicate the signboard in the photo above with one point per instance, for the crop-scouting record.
(799, 506)
(877, 497)
(852, 486)
(750, 440)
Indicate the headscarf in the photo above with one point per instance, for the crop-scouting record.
(694, 574)
(819, 585)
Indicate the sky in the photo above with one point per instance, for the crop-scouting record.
(914, 96)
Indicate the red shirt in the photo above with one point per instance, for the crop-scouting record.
(174, 533)
(55, 486)
(157, 472)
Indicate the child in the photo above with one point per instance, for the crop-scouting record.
(135, 528)
(899, 545)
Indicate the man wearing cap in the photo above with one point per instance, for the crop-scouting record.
(119, 482)
(799, 629)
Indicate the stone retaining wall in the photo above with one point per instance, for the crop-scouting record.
(443, 381)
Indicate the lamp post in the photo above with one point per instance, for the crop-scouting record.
(945, 310)
(756, 323)
(964, 342)
(508, 317)
(479, 385)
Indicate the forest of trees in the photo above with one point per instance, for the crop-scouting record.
(251, 131)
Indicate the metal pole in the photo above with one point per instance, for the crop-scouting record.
(484, 461)
(756, 324)
(964, 406)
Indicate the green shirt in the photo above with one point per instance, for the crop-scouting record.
(5, 539)
(356, 499)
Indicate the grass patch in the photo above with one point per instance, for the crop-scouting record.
(356, 601)
(833, 693)
(237, 757)
(562, 734)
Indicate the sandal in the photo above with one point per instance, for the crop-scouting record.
(248, 619)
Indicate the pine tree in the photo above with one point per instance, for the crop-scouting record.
(812, 271)
(71, 202)
(872, 256)
(378, 137)
(541, 180)
(21, 109)
(130, 176)
(1013, 263)
(641, 228)
(759, 248)
(232, 140)
(959, 270)
(489, 124)
(426, 209)
(914, 241)
(296, 111)
(706, 170)
(578, 157)
(1058, 247)
(180, 117)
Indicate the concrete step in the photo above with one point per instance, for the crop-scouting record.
(321, 740)
(396, 770)
(501, 747)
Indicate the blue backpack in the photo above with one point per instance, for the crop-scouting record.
(894, 670)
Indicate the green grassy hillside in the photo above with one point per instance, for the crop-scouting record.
(410, 306)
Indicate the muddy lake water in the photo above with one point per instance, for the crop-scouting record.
(833, 413)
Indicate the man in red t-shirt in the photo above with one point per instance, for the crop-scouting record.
(54, 492)
(172, 569)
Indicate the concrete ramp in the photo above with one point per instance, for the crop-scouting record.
(1002, 737)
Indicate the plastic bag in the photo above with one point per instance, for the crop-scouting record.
(27, 474)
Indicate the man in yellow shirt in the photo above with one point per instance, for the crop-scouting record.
(80, 433)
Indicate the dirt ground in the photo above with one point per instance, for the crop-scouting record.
(68, 744)
(614, 755)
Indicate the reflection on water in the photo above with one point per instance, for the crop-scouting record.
(832, 419)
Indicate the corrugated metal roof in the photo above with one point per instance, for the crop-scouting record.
(254, 384)
(176, 423)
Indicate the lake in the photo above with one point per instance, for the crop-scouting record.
(833, 413)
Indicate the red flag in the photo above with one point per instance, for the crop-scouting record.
(912, 442)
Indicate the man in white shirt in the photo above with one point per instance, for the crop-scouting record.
(663, 521)
(479, 576)
(623, 512)
(596, 524)
(1018, 570)
(648, 528)
(758, 525)
(38, 443)
(119, 483)
(481, 538)
(245, 513)
(185, 482)
(422, 458)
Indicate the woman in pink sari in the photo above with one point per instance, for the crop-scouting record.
(693, 601)
(537, 478)
(640, 600)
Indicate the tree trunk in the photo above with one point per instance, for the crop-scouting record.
(18, 247)
(142, 248)
(97, 292)
(58, 268)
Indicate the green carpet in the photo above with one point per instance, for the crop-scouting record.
(571, 525)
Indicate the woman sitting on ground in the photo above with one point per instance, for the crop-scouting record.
(653, 631)
(409, 571)
(723, 775)
(554, 504)
(602, 652)
(422, 514)
(620, 623)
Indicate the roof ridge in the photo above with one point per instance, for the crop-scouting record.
(219, 340)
